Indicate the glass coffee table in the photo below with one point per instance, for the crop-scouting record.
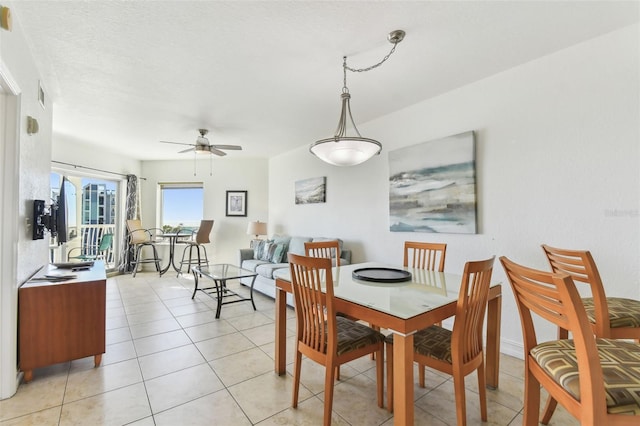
(220, 274)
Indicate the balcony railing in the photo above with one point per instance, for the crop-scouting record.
(86, 243)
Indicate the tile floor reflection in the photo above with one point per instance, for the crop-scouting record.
(170, 362)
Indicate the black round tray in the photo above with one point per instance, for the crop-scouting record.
(382, 275)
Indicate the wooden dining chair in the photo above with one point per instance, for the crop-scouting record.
(610, 317)
(428, 256)
(200, 237)
(138, 238)
(457, 352)
(596, 380)
(329, 249)
(322, 336)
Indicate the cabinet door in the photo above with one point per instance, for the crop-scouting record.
(61, 322)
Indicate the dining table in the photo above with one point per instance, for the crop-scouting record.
(403, 308)
(173, 237)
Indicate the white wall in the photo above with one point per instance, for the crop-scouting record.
(229, 233)
(70, 150)
(32, 173)
(557, 162)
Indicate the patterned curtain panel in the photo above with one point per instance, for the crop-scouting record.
(132, 211)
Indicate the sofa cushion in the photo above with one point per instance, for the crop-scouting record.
(266, 269)
(296, 245)
(281, 239)
(252, 264)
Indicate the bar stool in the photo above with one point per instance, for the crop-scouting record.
(194, 246)
(139, 238)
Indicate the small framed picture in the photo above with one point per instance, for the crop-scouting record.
(237, 203)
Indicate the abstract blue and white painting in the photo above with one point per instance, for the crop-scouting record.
(432, 186)
(312, 190)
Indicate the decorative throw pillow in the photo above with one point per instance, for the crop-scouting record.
(277, 253)
(258, 246)
(266, 248)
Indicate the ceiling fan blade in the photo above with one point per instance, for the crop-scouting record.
(217, 151)
(186, 150)
(177, 143)
(228, 147)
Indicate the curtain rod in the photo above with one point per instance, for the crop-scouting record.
(76, 166)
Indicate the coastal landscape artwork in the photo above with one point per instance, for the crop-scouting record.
(432, 186)
(312, 190)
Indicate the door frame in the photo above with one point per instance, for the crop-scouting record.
(10, 97)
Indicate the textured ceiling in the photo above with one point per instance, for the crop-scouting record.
(268, 75)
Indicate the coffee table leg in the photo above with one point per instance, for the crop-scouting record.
(251, 292)
(195, 284)
(219, 285)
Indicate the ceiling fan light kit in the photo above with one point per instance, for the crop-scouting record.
(341, 149)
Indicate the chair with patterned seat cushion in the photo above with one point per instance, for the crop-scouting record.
(457, 352)
(597, 380)
(322, 336)
(427, 256)
(610, 317)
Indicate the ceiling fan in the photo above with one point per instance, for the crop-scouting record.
(202, 145)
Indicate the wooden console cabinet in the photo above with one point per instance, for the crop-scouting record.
(61, 321)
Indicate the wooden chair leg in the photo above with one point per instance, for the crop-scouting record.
(461, 403)
(421, 373)
(389, 356)
(296, 378)
(482, 391)
(531, 399)
(549, 408)
(380, 376)
(328, 393)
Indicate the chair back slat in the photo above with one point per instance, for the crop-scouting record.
(327, 249)
(580, 266)
(428, 256)
(466, 339)
(314, 308)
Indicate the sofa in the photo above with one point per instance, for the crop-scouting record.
(269, 260)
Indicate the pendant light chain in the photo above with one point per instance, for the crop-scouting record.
(393, 49)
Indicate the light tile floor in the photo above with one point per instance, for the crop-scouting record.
(170, 362)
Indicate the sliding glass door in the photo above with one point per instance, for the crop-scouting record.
(92, 210)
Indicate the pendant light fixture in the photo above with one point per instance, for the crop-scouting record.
(341, 149)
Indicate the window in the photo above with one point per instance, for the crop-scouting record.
(181, 206)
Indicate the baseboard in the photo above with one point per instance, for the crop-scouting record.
(512, 348)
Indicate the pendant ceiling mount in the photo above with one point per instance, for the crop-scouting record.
(341, 149)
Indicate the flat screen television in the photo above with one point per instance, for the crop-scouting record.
(54, 218)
